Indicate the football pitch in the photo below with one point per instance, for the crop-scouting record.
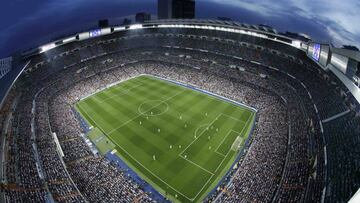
(180, 140)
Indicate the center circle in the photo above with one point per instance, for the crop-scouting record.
(153, 108)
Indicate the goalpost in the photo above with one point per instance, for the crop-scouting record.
(237, 143)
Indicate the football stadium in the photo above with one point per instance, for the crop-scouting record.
(180, 110)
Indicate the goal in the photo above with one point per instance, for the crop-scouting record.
(237, 143)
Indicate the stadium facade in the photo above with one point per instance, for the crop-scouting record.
(307, 95)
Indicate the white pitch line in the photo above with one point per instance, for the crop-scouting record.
(221, 154)
(231, 129)
(234, 117)
(197, 129)
(202, 188)
(229, 149)
(223, 140)
(237, 131)
(191, 199)
(220, 163)
(113, 85)
(113, 130)
(197, 137)
(123, 92)
(197, 165)
(224, 156)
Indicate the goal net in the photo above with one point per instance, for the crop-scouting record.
(237, 143)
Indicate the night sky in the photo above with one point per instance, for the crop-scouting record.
(25, 24)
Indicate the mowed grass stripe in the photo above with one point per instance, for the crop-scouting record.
(127, 103)
(138, 141)
(169, 119)
(146, 111)
(228, 140)
(123, 87)
(113, 116)
(209, 141)
(163, 122)
(145, 149)
(119, 118)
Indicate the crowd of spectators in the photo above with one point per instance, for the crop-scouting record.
(283, 161)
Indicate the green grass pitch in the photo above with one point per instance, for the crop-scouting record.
(180, 140)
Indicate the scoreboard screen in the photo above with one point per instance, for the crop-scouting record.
(95, 33)
(316, 52)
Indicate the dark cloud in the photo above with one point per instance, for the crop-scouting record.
(25, 23)
(30, 23)
(337, 20)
